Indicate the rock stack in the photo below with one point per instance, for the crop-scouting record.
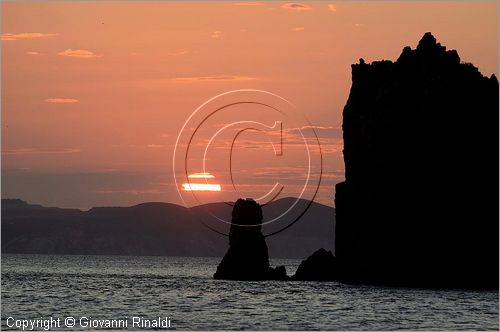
(247, 257)
(420, 202)
(320, 266)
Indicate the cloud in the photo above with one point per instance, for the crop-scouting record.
(298, 29)
(26, 151)
(26, 35)
(32, 53)
(332, 7)
(213, 78)
(293, 178)
(156, 146)
(359, 25)
(248, 3)
(296, 6)
(162, 83)
(330, 139)
(130, 192)
(84, 54)
(329, 128)
(216, 34)
(307, 131)
(61, 100)
(179, 52)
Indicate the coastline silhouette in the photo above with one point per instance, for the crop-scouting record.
(166, 230)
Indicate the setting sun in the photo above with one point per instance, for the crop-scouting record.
(201, 186)
(201, 176)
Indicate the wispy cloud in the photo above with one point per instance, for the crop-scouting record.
(216, 34)
(248, 3)
(130, 191)
(32, 53)
(321, 127)
(291, 175)
(162, 83)
(221, 78)
(156, 146)
(296, 6)
(27, 151)
(61, 100)
(297, 173)
(294, 138)
(26, 35)
(84, 54)
(179, 52)
(298, 29)
(321, 131)
(332, 7)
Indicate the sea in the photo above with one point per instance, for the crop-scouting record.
(54, 292)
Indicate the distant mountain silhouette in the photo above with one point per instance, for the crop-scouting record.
(151, 229)
(420, 202)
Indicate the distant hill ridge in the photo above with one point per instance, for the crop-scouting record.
(152, 228)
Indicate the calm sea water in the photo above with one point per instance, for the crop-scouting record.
(115, 287)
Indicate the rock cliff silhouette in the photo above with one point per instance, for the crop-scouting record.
(247, 257)
(419, 204)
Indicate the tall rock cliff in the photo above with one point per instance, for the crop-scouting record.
(420, 201)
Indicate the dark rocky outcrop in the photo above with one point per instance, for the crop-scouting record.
(320, 266)
(420, 202)
(247, 256)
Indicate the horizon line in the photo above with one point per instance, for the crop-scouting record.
(147, 202)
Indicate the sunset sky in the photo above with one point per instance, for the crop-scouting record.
(95, 94)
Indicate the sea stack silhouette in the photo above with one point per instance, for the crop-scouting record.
(247, 257)
(419, 204)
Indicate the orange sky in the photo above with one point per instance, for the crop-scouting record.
(94, 94)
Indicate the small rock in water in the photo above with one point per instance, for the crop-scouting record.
(320, 266)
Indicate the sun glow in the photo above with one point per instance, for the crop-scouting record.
(201, 186)
(201, 176)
